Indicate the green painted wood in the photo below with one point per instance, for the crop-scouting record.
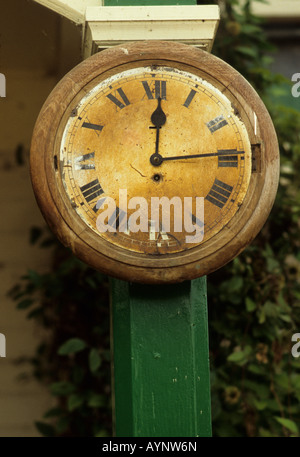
(148, 2)
(160, 352)
(161, 362)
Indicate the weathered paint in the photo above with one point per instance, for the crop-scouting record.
(161, 362)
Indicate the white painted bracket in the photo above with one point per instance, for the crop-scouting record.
(74, 10)
(108, 26)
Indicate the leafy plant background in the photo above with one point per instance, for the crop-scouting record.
(253, 302)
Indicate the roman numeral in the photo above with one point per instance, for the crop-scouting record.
(228, 157)
(91, 190)
(156, 89)
(78, 165)
(217, 123)
(89, 125)
(219, 193)
(116, 101)
(189, 98)
(99, 203)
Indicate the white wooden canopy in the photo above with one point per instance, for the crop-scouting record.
(108, 26)
(71, 9)
(105, 26)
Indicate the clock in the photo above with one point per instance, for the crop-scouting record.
(154, 162)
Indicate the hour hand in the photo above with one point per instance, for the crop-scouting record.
(158, 117)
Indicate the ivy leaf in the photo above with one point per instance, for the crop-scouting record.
(75, 401)
(261, 316)
(240, 357)
(35, 278)
(71, 346)
(35, 234)
(62, 424)
(96, 401)
(53, 412)
(287, 423)
(260, 405)
(250, 305)
(62, 388)
(250, 29)
(256, 369)
(24, 304)
(247, 51)
(285, 317)
(45, 429)
(94, 360)
(35, 312)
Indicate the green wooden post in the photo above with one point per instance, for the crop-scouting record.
(161, 365)
(160, 348)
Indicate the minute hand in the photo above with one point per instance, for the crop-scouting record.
(226, 152)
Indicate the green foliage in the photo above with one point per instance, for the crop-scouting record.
(254, 301)
(71, 303)
(241, 42)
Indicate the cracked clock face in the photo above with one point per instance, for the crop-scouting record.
(155, 162)
(154, 159)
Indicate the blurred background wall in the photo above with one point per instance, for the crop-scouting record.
(37, 47)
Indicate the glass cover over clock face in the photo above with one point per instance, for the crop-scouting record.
(154, 159)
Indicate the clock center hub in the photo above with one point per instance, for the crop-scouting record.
(156, 160)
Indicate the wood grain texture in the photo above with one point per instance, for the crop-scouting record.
(71, 230)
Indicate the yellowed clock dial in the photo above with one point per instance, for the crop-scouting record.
(113, 152)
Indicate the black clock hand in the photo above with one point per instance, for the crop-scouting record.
(211, 154)
(158, 119)
(228, 152)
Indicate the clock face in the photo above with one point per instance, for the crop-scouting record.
(154, 159)
(154, 162)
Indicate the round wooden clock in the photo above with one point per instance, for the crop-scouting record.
(155, 162)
